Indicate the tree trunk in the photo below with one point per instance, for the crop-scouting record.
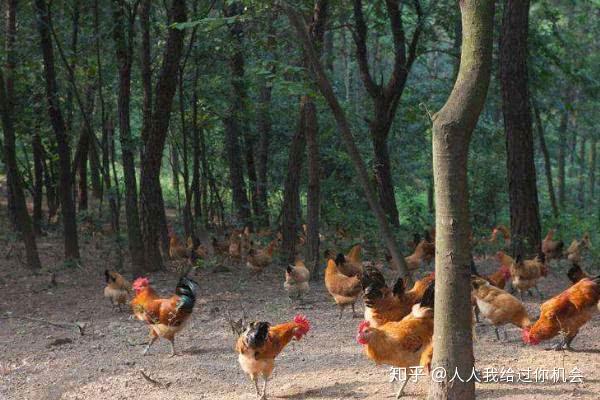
(547, 162)
(264, 139)
(38, 185)
(153, 212)
(562, 147)
(232, 120)
(291, 190)
(196, 161)
(383, 176)
(593, 170)
(581, 197)
(124, 50)
(453, 126)
(58, 125)
(524, 211)
(314, 183)
(326, 90)
(15, 182)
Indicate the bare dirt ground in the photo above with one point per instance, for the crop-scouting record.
(38, 361)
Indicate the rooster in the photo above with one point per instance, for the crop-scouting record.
(565, 314)
(498, 306)
(296, 280)
(257, 260)
(260, 343)
(165, 317)
(344, 289)
(402, 344)
(117, 289)
(525, 273)
(383, 305)
(550, 247)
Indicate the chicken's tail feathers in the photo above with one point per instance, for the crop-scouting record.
(429, 296)
(186, 289)
(574, 273)
(474, 268)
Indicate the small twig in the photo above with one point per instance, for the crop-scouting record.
(155, 382)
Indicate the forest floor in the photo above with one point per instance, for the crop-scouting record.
(40, 361)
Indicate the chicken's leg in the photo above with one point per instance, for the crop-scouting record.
(173, 353)
(354, 312)
(255, 380)
(152, 340)
(497, 334)
(402, 385)
(539, 293)
(341, 311)
(264, 389)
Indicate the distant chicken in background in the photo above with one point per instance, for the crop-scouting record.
(177, 250)
(575, 251)
(498, 306)
(423, 254)
(405, 343)
(552, 248)
(117, 289)
(296, 280)
(497, 279)
(165, 317)
(565, 314)
(525, 274)
(258, 260)
(344, 289)
(261, 343)
(575, 274)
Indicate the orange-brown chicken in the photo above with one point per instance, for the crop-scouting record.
(257, 260)
(550, 247)
(423, 254)
(565, 314)
(344, 289)
(177, 250)
(498, 278)
(525, 274)
(296, 280)
(117, 289)
(165, 317)
(382, 304)
(404, 343)
(498, 306)
(260, 343)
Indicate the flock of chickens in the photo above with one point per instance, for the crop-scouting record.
(398, 321)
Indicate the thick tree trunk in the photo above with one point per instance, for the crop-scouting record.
(383, 176)
(314, 185)
(153, 212)
(291, 190)
(452, 129)
(124, 50)
(522, 187)
(562, 147)
(58, 125)
(326, 90)
(10, 153)
(233, 118)
(547, 162)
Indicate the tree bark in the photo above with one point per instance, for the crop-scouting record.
(582, 163)
(326, 90)
(58, 126)
(151, 194)
(14, 179)
(593, 161)
(547, 162)
(291, 190)
(524, 210)
(264, 139)
(562, 147)
(38, 185)
(234, 115)
(124, 54)
(314, 183)
(453, 126)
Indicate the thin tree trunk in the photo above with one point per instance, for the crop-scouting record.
(14, 179)
(291, 190)
(326, 90)
(453, 126)
(124, 54)
(38, 186)
(562, 147)
(264, 139)
(593, 160)
(196, 162)
(314, 183)
(582, 163)
(547, 162)
(522, 187)
(58, 125)
(151, 194)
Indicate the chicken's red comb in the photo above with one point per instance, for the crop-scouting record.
(363, 325)
(303, 322)
(141, 282)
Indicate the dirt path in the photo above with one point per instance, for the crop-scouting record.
(105, 363)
